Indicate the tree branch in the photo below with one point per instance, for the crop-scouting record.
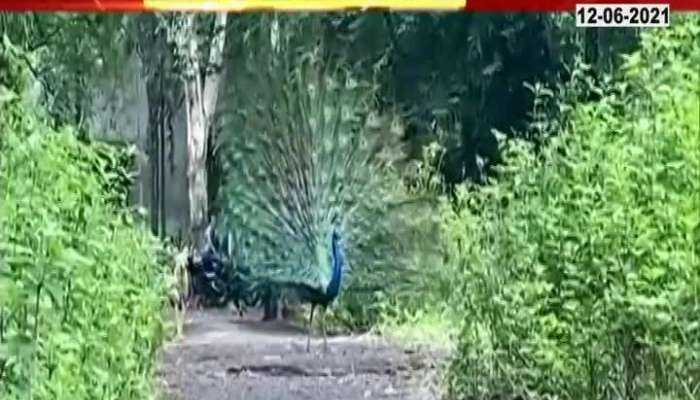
(214, 65)
(45, 39)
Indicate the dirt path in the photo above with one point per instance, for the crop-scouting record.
(225, 358)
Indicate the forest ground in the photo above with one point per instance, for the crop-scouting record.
(224, 357)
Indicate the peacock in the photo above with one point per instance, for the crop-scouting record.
(311, 182)
(216, 275)
(207, 268)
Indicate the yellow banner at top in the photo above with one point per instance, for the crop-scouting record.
(303, 5)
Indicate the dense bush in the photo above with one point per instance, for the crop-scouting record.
(582, 261)
(81, 291)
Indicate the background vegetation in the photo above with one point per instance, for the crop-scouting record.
(81, 286)
(580, 264)
(558, 252)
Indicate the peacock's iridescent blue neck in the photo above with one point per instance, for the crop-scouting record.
(337, 264)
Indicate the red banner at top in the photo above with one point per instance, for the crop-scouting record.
(72, 5)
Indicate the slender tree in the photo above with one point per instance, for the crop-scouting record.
(198, 43)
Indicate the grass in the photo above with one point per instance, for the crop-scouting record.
(435, 328)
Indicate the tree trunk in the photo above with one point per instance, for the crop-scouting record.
(153, 158)
(201, 94)
(154, 52)
(153, 94)
(196, 157)
(161, 164)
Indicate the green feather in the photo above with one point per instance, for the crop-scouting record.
(311, 156)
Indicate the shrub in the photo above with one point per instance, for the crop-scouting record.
(581, 263)
(81, 291)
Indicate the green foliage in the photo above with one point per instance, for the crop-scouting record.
(581, 265)
(422, 300)
(81, 289)
(66, 53)
(13, 77)
(116, 162)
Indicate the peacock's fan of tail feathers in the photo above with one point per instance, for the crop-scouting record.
(311, 158)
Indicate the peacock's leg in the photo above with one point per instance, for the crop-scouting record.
(269, 304)
(308, 329)
(323, 330)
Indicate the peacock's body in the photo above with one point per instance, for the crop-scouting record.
(307, 191)
(216, 279)
(207, 268)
